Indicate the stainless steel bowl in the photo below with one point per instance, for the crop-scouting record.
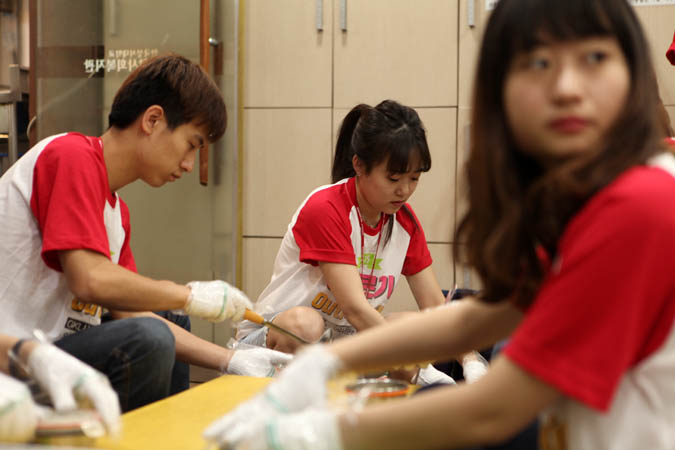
(378, 387)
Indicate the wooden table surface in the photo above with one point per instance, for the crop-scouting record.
(177, 422)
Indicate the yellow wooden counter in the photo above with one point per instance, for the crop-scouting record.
(177, 422)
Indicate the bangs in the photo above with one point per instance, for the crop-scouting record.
(405, 149)
(530, 23)
(215, 122)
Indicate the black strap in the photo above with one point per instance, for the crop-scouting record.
(15, 369)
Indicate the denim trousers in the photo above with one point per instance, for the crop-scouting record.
(137, 355)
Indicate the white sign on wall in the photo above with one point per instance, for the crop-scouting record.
(651, 2)
(119, 60)
(490, 4)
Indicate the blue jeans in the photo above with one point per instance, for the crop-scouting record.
(180, 376)
(137, 355)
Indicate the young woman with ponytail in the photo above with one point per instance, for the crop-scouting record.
(349, 242)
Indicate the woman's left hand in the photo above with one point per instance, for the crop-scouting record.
(301, 385)
(311, 429)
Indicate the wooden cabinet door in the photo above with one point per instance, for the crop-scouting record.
(473, 17)
(288, 60)
(658, 23)
(434, 199)
(258, 264)
(286, 156)
(671, 114)
(462, 154)
(399, 49)
(443, 266)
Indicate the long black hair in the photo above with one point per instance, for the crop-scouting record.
(388, 132)
(514, 204)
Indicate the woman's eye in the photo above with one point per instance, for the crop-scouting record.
(596, 57)
(393, 180)
(538, 63)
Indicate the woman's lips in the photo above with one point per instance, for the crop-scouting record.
(569, 125)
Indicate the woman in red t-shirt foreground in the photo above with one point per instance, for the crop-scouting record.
(571, 227)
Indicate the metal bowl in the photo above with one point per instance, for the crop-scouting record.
(378, 387)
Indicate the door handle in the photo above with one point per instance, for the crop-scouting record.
(343, 15)
(471, 13)
(319, 15)
(204, 50)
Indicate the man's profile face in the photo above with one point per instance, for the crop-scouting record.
(171, 152)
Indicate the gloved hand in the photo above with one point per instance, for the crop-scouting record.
(216, 301)
(301, 384)
(18, 413)
(311, 429)
(430, 375)
(256, 362)
(474, 366)
(66, 378)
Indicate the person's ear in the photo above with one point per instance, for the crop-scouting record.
(151, 118)
(357, 164)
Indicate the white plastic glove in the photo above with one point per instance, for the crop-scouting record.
(66, 378)
(300, 385)
(474, 366)
(256, 361)
(18, 413)
(311, 429)
(430, 375)
(216, 301)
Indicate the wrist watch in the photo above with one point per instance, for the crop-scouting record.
(17, 368)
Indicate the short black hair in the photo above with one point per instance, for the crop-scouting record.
(182, 88)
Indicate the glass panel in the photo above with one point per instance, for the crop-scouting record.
(85, 50)
(224, 173)
(68, 99)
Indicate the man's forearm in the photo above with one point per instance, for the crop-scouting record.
(94, 278)
(189, 348)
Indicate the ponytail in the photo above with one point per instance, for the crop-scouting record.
(344, 152)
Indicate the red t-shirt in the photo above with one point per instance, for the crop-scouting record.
(608, 300)
(70, 191)
(326, 229)
(56, 197)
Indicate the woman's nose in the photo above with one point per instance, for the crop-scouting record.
(567, 83)
(403, 188)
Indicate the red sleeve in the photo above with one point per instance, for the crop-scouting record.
(126, 256)
(69, 193)
(322, 229)
(670, 53)
(417, 256)
(608, 301)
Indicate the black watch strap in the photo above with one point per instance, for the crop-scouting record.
(15, 366)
